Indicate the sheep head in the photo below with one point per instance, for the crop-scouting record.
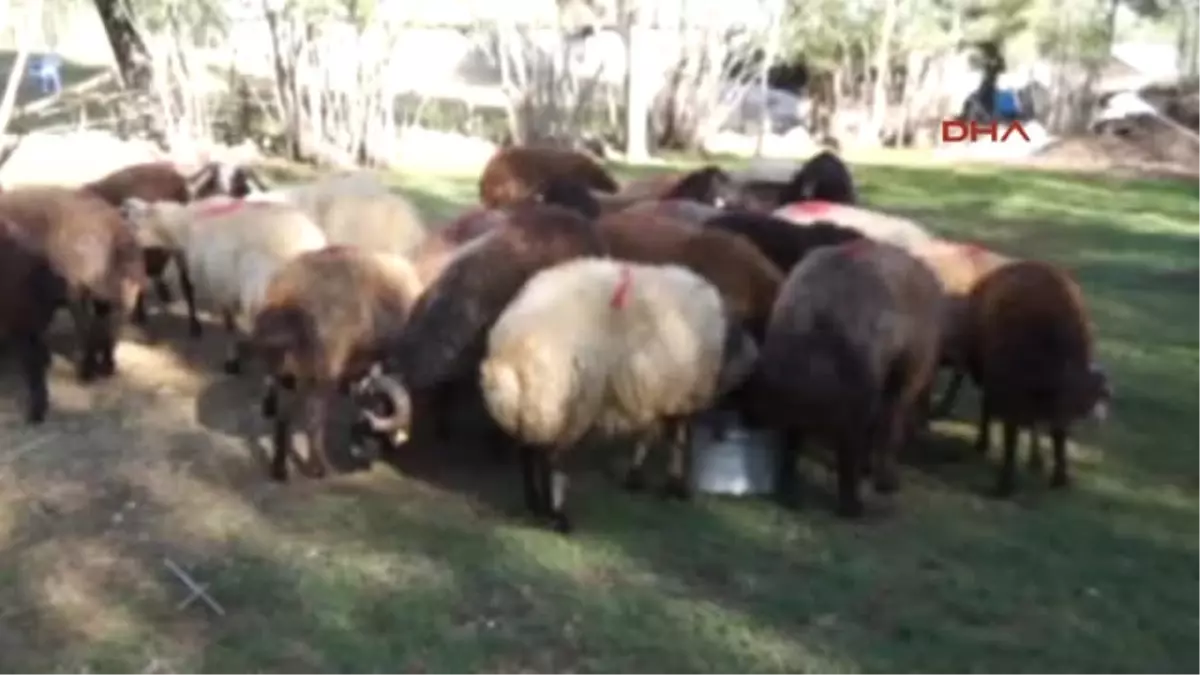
(384, 404)
(738, 360)
(1092, 393)
(222, 178)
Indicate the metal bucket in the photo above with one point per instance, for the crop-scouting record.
(741, 464)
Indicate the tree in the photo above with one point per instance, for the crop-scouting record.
(129, 49)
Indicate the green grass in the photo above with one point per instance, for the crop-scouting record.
(382, 572)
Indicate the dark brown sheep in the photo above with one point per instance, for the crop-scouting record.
(63, 246)
(850, 352)
(824, 177)
(162, 181)
(441, 246)
(747, 280)
(518, 173)
(781, 241)
(1029, 349)
(443, 343)
(327, 316)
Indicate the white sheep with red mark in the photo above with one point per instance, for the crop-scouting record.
(602, 345)
(226, 251)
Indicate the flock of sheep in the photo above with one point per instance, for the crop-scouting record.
(565, 306)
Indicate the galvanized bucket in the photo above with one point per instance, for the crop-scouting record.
(740, 464)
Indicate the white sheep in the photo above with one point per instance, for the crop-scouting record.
(226, 252)
(902, 232)
(355, 209)
(598, 344)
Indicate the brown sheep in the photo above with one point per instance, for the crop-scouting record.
(441, 246)
(63, 246)
(162, 181)
(1029, 348)
(959, 266)
(326, 318)
(747, 280)
(849, 354)
(518, 173)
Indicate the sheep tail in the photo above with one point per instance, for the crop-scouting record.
(502, 393)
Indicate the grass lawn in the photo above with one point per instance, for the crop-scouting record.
(376, 571)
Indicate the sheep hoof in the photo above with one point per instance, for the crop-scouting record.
(279, 474)
(317, 470)
(886, 485)
(36, 414)
(850, 508)
(195, 329)
(269, 406)
(560, 523)
(635, 480)
(677, 488)
(1003, 490)
(1059, 480)
(85, 372)
(232, 366)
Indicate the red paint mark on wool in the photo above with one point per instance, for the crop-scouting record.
(221, 208)
(621, 293)
(814, 208)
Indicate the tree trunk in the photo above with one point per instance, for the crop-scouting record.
(284, 76)
(15, 75)
(764, 87)
(637, 99)
(883, 69)
(129, 50)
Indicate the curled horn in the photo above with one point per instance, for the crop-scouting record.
(378, 382)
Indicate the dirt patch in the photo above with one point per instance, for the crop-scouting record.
(1143, 146)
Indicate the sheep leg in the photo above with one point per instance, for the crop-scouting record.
(1058, 438)
(317, 404)
(237, 348)
(138, 315)
(281, 440)
(35, 360)
(635, 475)
(983, 441)
(189, 297)
(1007, 481)
(679, 461)
(945, 405)
(785, 469)
(530, 479)
(557, 482)
(85, 369)
(163, 291)
(1036, 463)
(849, 452)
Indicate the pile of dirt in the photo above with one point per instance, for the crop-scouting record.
(1144, 143)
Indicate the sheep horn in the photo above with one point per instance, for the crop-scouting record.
(395, 424)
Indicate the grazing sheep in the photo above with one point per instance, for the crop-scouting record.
(747, 280)
(781, 241)
(226, 251)
(61, 246)
(959, 267)
(325, 318)
(1029, 349)
(707, 185)
(824, 177)
(517, 173)
(355, 209)
(618, 348)
(447, 328)
(884, 227)
(850, 351)
(440, 247)
(162, 181)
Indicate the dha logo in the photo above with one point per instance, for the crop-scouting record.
(957, 131)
